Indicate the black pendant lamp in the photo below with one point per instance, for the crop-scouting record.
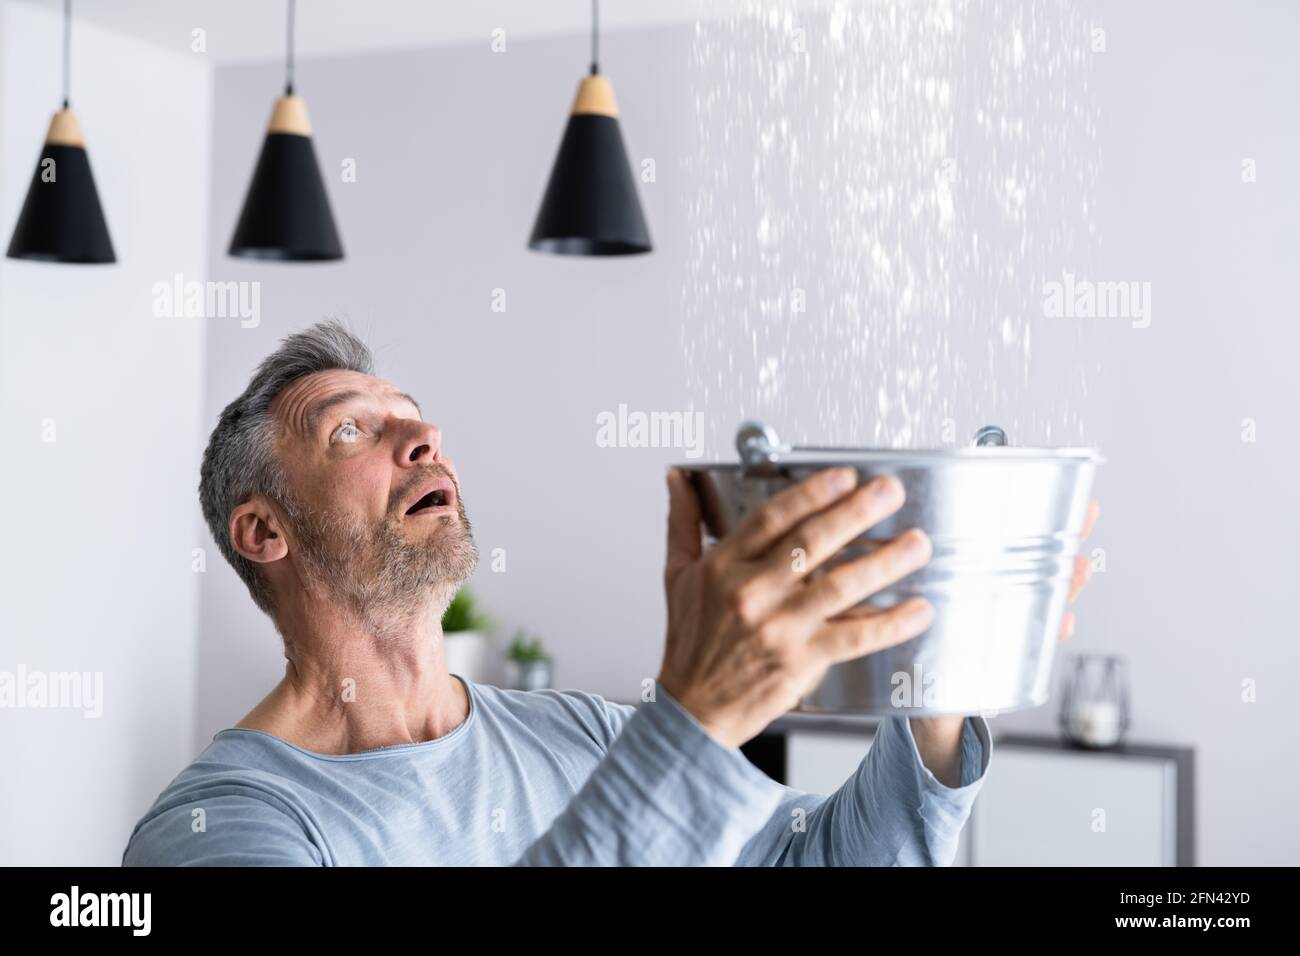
(591, 207)
(61, 219)
(286, 215)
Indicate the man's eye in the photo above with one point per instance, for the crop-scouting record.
(346, 432)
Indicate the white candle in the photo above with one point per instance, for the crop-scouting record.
(1096, 723)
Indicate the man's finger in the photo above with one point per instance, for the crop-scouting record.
(684, 543)
(758, 532)
(844, 640)
(853, 581)
(857, 612)
(821, 536)
(1067, 626)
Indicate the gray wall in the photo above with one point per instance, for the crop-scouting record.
(452, 149)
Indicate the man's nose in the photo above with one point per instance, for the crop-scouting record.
(420, 444)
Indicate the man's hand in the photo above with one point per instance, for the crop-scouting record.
(748, 634)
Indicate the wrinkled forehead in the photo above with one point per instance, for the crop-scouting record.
(304, 400)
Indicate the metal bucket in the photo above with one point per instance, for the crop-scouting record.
(1005, 523)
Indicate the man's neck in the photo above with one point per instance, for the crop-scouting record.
(347, 689)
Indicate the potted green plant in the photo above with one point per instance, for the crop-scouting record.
(528, 666)
(465, 637)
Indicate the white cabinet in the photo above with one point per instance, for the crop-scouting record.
(1070, 808)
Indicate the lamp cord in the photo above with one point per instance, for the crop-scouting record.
(288, 53)
(67, 53)
(595, 37)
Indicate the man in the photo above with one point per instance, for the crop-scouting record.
(336, 504)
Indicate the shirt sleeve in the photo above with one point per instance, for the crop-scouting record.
(666, 794)
(226, 826)
(893, 811)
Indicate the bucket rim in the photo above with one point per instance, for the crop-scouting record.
(909, 456)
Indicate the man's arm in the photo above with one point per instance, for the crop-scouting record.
(893, 811)
(749, 632)
(938, 741)
(666, 794)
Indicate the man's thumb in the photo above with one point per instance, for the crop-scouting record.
(684, 545)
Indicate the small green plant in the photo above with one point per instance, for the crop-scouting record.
(524, 650)
(463, 614)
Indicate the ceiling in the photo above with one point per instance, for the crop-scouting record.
(254, 29)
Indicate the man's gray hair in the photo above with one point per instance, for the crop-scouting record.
(241, 461)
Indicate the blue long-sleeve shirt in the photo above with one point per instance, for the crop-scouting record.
(552, 778)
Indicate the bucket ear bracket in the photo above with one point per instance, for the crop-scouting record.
(990, 435)
(757, 443)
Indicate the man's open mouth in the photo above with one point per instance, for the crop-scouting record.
(438, 496)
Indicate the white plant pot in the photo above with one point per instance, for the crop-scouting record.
(468, 655)
(531, 676)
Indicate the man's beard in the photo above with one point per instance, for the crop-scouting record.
(381, 575)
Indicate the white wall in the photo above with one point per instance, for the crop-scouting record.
(453, 147)
(98, 525)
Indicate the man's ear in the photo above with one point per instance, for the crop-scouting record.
(256, 531)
